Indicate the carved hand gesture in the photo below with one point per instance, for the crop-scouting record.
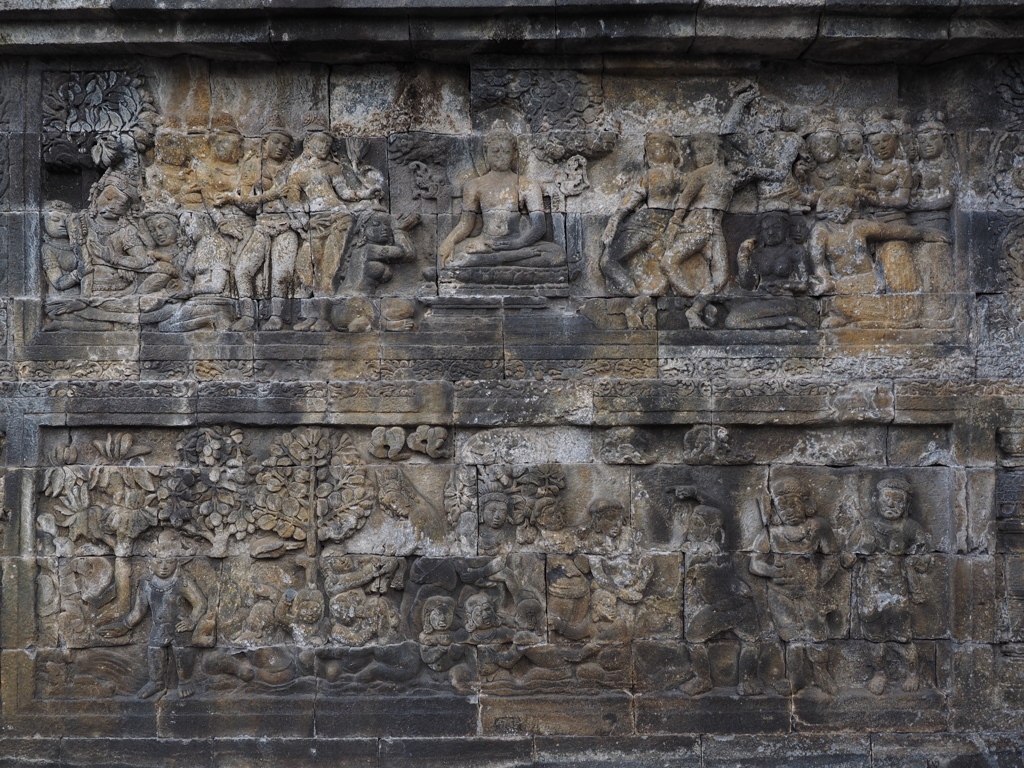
(935, 236)
(506, 243)
(66, 281)
(821, 286)
(226, 198)
(445, 250)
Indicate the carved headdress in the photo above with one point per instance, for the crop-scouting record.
(118, 180)
(168, 544)
(223, 122)
(788, 486)
(57, 206)
(930, 120)
(500, 130)
(850, 128)
(834, 198)
(276, 125)
(436, 601)
(161, 208)
(823, 121)
(314, 123)
(876, 121)
(827, 126)
(895, 484)
(494, 491)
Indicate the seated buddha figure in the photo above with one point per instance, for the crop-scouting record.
(500, 237)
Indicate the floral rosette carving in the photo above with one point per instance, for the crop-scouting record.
(537, 489)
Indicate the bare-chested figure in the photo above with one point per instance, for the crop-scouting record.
(220, 182)
(893, 558)
(633, 229)
(499, 198)
(705, 197)
(273, 245)
(163, 595)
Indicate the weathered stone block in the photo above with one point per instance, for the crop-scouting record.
(780, 750)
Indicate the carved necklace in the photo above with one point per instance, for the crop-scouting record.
(103, 226)
(162, 585)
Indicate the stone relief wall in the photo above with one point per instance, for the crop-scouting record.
(538, 396)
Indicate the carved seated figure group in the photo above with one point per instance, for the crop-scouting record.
(187, 241)
(877, 217)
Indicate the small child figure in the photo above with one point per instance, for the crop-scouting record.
(161, 595)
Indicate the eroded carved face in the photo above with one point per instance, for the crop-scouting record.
(791, 508)
(852, 143)
(226, 147)
(164, 229)
(773, 232)
(495, 514)
(661, 151)
(170, 149)
(767, 113)
(319, 145)
(529, 615)
(309, 611)
(277, 146)
(930, 143)
(347, 608)
(608, 519)
(892, 503)
(884, 145)
(55, 223)
(824, 146)
(441, 618)
(840, 214)
(112, 203)
(698, 529)
(378, 230)
(164, 567)
(481, 615)
(500, 154)
(799, 231)
(705, 153)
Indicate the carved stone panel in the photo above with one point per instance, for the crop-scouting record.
(513, 409)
